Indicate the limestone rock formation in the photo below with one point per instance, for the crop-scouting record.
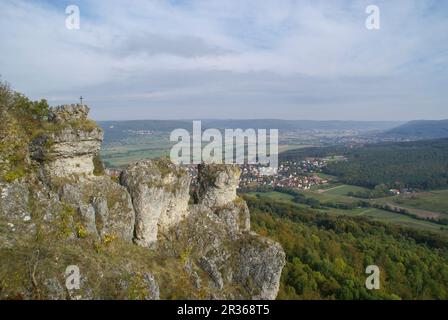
(70, 149)
(217, 191)
(160, 195)
(264, 259)
(66, 157)
(68, 113)
(217, 184)
(141, 237)
(104, 207)
(246, 259)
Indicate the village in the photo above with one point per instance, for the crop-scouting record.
(301, 175)
(291, 174)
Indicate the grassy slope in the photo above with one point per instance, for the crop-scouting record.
(104, 266)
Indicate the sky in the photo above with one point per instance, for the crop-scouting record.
(284, 59)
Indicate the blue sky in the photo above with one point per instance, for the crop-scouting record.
(231, 59)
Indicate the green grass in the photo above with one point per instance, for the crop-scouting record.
(326, 176)
(386, 216)
(120, 154)
(274, 195)
(344, 190)
(376, 214)
(325, 196)
(341, 212)
(436, 201)
(125, 159)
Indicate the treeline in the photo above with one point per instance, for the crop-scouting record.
(327, 256)
(301, 198)
(313, 152)
(418, 165)
(415, 164)
(380, 191)
(313, 203)
(387, 207)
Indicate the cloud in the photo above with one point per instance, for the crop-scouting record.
(174, 59)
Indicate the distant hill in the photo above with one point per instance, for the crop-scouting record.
(421, 129)
(115, 130)
(303, 124)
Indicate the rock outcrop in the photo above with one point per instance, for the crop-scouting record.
(217, 192)
(141, 237)
(69, 113)
(104, 208)
(71, 147)
(217, 184)
(261, 271)
(245, 259)
(160, 195)
(66, 157)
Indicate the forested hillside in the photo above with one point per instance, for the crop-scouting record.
(420, 164)
(421, 129)
(415, 164)
(327, 256)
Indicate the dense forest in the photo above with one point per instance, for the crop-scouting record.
(415, 164)
(327, 256)
(313, 152)
(419, 164)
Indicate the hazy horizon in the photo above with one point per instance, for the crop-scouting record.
(267, 119)
(231, 59)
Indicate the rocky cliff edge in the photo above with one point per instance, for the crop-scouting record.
(141, 237)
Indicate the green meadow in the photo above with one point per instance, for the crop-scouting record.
(373, 213)
(436, 201)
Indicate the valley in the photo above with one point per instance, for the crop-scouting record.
(309, 159)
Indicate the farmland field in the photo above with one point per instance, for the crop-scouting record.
(157, 144)
(386, 216)
(287, 147)
(432, 204)
(373, 213)
(325, 195)
(122, 153)
(276, 196)
(436, 201)
(343, 190)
